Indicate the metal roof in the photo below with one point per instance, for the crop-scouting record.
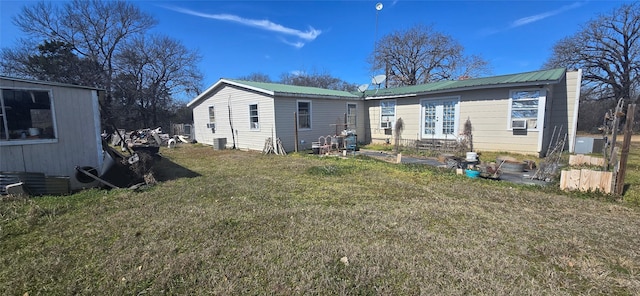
(51, 83)
(273, 89)
(285, 89)
(528, 78)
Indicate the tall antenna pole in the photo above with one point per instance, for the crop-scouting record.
(378, 8)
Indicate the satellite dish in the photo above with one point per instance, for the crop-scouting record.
(379, 6)
(363, 87)
(378, 79)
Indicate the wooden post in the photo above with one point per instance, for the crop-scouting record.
(295, 128)
(614, 132)
(624, 155)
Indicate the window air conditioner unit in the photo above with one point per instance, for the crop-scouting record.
(212, 126)
(519, 124)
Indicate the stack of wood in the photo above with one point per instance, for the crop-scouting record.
(273, 148)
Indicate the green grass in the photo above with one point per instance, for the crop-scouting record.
(231, 222)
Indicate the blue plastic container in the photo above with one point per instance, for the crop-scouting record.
(472, 173)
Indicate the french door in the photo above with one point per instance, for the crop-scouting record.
(440, 118)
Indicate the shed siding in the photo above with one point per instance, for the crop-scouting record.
(77, 130)
(240, 100)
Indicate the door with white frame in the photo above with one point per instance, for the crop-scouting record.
(440, 118)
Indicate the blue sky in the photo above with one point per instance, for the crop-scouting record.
(237, 38)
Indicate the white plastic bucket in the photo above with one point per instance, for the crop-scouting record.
(472, 156)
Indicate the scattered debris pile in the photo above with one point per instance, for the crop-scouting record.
(143, 139)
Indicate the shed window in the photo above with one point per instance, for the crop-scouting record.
(352, 116)
(387, 113)
(253, 117)
(26, 115)
(304, 114)
(524, 108)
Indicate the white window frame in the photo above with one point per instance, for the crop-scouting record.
(530, 124)
(353, 125)
(310, 114)
(211, 124)
(389, 121)
(9, 142)
(255, 126)
(440, 103)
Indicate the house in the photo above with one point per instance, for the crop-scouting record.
(521, 113)
(517, 113)
(257, 111)
(49, 128)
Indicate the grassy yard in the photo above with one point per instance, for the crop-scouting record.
(231, 222)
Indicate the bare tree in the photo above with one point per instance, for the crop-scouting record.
(257, 77)
(421, 55)
(152, 70)
(607, 48)
(316, 79)
(96, 29)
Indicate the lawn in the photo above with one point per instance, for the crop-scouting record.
(233, 222)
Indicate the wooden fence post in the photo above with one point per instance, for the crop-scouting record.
(624, 155)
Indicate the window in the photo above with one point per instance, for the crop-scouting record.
(387, 113)
(524, 109)
(351, 116)
(304, 114)
(26, 115)
(212, 119)
(253, 117)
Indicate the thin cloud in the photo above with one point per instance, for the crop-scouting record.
(538, 17)
(294, 44)
(529, 19)
(308, 35)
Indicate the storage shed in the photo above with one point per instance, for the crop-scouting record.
(48, 129)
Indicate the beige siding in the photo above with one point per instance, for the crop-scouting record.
(488, 111)
(327, 117)
(240, 100)
(78, 136)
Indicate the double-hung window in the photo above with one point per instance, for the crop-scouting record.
(212, 119)
(26, 114)
(254, 120)
(524, 109)
(304, 114)
(387, 113)
(352, 118)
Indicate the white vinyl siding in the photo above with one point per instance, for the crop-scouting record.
(232, 109)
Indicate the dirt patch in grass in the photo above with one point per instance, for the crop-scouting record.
(246, 223)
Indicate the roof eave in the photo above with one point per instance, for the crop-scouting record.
(468, 88)
(228, 82)
(314, 96)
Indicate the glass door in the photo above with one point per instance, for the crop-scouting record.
(439, 118)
